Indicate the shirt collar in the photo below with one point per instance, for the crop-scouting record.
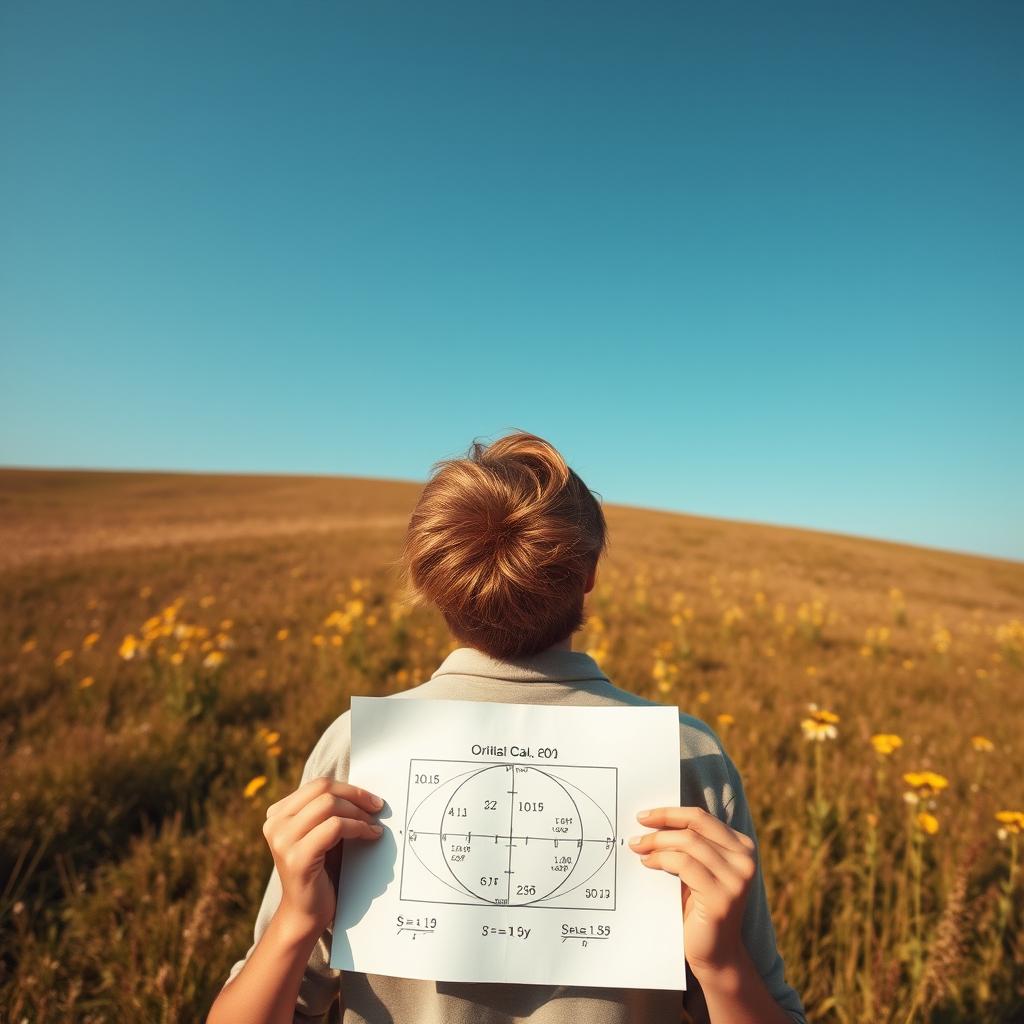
(554, 665)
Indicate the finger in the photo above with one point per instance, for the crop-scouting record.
(329, 833)
(699, 820)
(688, 869)
(294, 801)
(291, 803)
(718, 858)
(319, 809)
(730, 877)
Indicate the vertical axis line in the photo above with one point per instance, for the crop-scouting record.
(511, 812)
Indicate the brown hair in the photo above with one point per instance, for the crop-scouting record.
(502, 542)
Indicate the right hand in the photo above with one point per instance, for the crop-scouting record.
(301, 829)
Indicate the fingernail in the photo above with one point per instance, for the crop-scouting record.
(643, 815)
(377, 802)
(645, 860)
(377, 829)
(635, 840)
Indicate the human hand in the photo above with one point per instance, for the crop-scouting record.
(715, 865)
(301, 829)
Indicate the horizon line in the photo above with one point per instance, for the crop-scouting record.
(622, 504)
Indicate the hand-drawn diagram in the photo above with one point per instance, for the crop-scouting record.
(501, 859)
(509, 834)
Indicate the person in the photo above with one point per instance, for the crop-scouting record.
(505, 543)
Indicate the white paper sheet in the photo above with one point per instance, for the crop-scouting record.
(505, 853)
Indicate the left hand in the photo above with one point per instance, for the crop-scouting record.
(715, 865)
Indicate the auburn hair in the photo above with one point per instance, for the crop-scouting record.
(502, 542)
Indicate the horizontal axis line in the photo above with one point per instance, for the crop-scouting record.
(500, 835)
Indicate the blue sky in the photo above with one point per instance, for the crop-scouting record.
(760, 261)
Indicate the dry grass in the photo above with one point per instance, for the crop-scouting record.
(132, 864)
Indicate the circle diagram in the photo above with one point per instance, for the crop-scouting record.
(510, 834)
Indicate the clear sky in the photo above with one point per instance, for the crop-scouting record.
(755, 260)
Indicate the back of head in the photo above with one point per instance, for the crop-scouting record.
(502, 542)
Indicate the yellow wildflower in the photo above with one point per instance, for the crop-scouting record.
(62, 657)
(213, 659)
(90, 640)
(282, 634)
(275, 750)
(886, 742)
(725, 719)
(982, 744)
(927, 823)
(1012, 822)
(731, 616)
(255, 785)
(926, 783)
(821, 725)
(129, 647)
(270, 738)
(1010, 637)
(85, 682)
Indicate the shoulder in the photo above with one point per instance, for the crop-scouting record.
(708, 777)
(333, 750)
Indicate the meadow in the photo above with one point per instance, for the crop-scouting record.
(171, 647)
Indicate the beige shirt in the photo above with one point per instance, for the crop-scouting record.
(708, 779)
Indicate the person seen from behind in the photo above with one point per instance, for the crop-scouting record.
(505, 543)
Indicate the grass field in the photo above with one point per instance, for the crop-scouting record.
(167, 641)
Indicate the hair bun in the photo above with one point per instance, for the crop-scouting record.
(502, 542)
